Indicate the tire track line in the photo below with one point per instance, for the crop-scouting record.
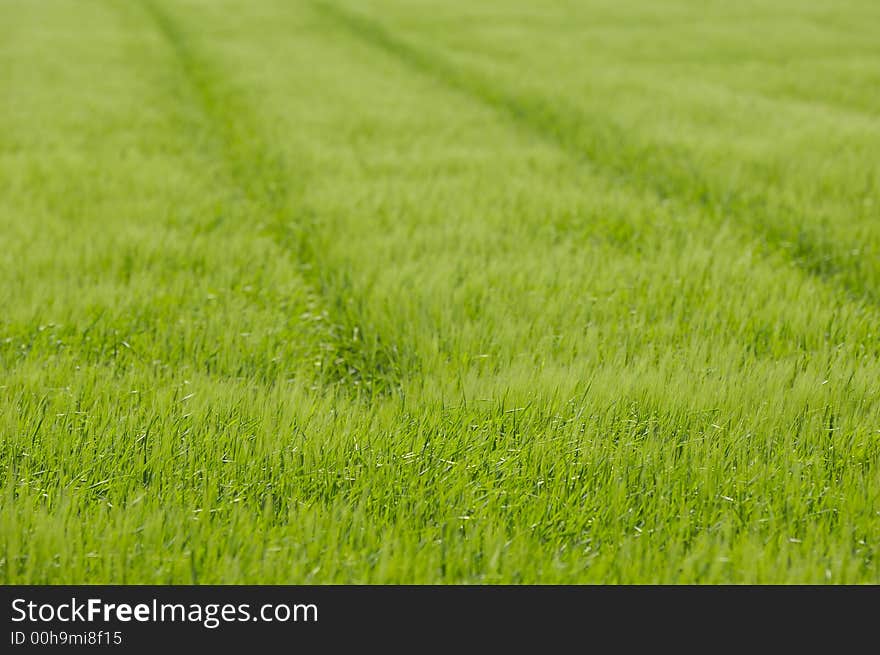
(596, 141)
(353, 357)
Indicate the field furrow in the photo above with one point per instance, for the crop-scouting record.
(352, 353)
(664, 168)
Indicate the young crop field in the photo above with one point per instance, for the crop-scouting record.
(439, 291)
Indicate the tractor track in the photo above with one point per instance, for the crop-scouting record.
(595, 141)
(354, 357)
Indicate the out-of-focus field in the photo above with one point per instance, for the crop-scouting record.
(394, 291)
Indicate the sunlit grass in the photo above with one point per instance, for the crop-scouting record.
(439, 292)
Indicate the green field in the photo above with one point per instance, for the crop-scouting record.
(389, 291)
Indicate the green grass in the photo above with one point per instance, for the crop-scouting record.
(410, 292)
